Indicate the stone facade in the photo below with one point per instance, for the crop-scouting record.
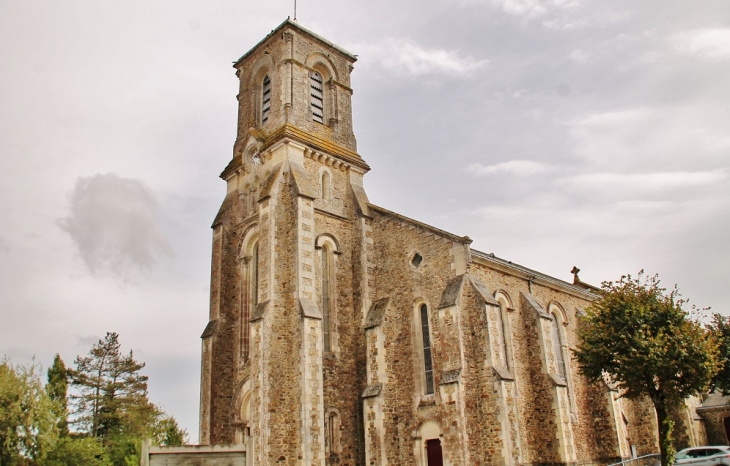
(343, 333)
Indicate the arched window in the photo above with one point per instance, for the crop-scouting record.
(326, 307)
(326, 185)
(250, 295)
(504, 329)
(265, 99)
(255, 274)
(333, 438)
(316, 96)
(427, 358)
(558, 347)
(560, 351)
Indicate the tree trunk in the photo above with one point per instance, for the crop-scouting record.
(666, 426)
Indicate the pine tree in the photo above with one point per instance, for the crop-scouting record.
(57, 388)
(110, 403)
(112, 394)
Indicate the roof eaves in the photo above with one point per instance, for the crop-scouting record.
(532, 273)
(294, 24)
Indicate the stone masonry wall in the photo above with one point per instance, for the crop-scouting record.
(341, 364)
(284, 349)
(715, 426)
(365, 396)
(406, 405)
(484, 406)
(287, 57)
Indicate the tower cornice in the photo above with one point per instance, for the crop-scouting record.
(293, 24)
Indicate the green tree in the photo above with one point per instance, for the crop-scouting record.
(71, 451)
(111, 402)
(28, 417)
(57, 388)
(111, 391)
(639, 337)
(169, 433)
(720, 329)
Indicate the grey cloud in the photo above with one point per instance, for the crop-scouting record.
(407, 57)
(712, 44)
(88, 341)
(513, 167)
(115, 225)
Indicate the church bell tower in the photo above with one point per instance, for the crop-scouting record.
(283, 354)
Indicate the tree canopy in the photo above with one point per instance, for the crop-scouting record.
(720, 330)
(57, 390)
(110, 412)
(110, 402)
(28, 417)
(639, 337)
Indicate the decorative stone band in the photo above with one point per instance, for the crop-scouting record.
(376, 313)
(372, 390)
(451, 376)
(503, 373)
(210, 329)
(260, 310)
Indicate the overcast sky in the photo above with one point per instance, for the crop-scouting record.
(553, 133)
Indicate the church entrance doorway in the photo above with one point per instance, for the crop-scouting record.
(433, 449)
(726, 422)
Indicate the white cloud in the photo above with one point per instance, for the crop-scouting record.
(662, 180)
(616, 117)
(512, 167)
(713, 44)
(114, 223)
(580, 56)
(643, 138)
(533, 8)
(403, 55)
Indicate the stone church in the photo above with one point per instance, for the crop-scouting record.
(342, 333)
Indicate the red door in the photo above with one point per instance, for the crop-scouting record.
(435, 458)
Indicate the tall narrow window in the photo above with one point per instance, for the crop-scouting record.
(504, 327)
(558, 347)
(333, 438)
(249, 298)
(255, 275)
(325, 185)
(326, 298)
(265, 100)
(316, 96)
(427, 360)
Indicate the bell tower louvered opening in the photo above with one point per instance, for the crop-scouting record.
(265, 99)
(316, 96)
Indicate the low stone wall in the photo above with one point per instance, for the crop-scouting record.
(193, 455)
